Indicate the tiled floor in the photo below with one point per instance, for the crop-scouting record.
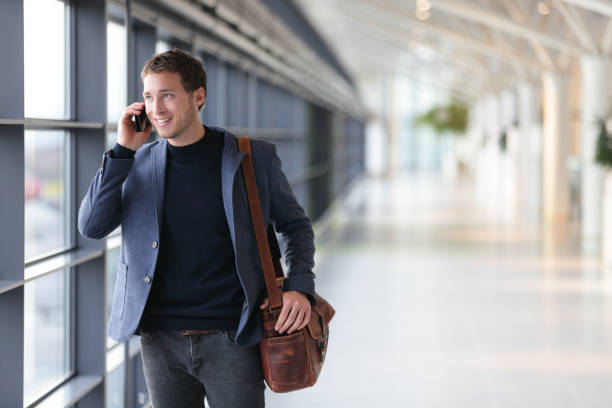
(439, 304)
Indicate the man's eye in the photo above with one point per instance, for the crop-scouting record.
(166, 95)
(147, 98)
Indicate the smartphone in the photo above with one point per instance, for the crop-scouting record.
(142, 121)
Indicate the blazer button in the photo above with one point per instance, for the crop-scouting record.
(147, 279)
(154, 245)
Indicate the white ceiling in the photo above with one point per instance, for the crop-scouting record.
(468, 46)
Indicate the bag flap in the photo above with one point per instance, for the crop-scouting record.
(322, 309)
(314, 326)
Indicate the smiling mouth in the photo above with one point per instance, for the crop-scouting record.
(162, 123)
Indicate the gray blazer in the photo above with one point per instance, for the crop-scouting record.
(130, 193)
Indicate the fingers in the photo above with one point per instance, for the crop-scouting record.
(307, 317)
(301, 321)
(264, 304)
(280, 323)
(293, 314)
(126, 130)
(138, 105)
(298, 322)
(133, 109)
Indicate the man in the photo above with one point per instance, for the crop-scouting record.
(189, 280)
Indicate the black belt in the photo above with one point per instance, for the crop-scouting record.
(185, 332)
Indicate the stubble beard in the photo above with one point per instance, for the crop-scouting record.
(180, 125)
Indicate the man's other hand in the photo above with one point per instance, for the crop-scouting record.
(295, 313)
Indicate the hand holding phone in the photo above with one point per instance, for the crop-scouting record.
(134, 127)
(142, 120)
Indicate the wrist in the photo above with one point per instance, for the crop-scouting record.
(127, 146)
(122, 152)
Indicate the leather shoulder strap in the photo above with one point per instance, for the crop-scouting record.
(248, 171)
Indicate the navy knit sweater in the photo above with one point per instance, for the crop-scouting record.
(196, 285)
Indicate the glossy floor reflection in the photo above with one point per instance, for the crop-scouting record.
(441, 302)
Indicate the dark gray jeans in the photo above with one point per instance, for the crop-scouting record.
(180, 370)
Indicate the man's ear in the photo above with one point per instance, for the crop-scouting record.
(200, 95)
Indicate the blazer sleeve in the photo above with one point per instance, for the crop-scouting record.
(296, 228)
(100, 210)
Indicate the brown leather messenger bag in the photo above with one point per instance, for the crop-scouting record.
(289, 361)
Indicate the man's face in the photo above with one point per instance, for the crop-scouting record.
(169, 106)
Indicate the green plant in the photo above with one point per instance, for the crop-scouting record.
(452, 118)
(603, 148)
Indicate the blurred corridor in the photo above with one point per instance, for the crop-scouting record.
(440, 305)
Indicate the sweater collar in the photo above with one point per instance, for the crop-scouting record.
(210, 145)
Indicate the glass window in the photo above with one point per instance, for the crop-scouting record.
(45, 85)
(142, 394)
(116, 71)
(115, 376)
(209, 112)
(111, 139)
(114, 387)
(265, 99)
(47, 195)
(115, 367)
(237, 97)
(46, 334)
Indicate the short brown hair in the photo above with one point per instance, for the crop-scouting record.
(191, 70)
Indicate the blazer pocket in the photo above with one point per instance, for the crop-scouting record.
(119, 293)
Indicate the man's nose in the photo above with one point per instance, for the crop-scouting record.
(157, 105)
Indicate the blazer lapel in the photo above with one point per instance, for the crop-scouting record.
(158, 174)
(230, 162)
